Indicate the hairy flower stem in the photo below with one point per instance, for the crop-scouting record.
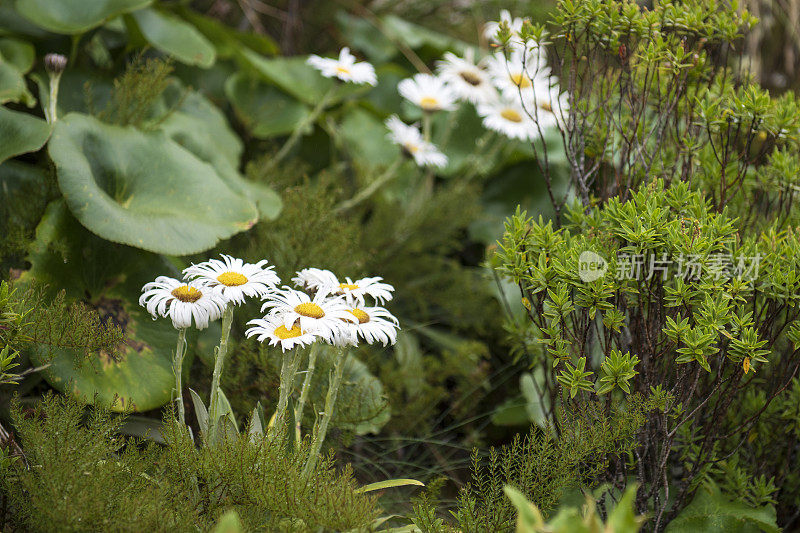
(288, 370)
(330, 403)
(297, 133)
(219, 361)
(177, 367)
(301, 403)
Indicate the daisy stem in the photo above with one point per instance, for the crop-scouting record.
(219, 361)
(330, 402)
(288, 370)
(177, 366)
(297, 133)
(426, 126)
(370, 189)
(301, 403)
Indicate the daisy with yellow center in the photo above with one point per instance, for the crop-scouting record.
(428, 92)
(509, 118)
(344, 68)
(186, 303)
(273, 330)
(375, 324)
(469, 81)
(410, 139)
(514, 72)
(353, 291)
(234, 279)
(322, 315)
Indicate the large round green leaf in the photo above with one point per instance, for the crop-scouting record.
(20, 133)
(175, 37)
(107, 277)
(74, 16)
(143, 189)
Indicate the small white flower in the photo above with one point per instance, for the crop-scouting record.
(410, 139)
(273, 329)
(311, 279)
(509, 118)
(345, 68)
(514, 24)
(235, 279)
(428, 92)
(321, 315)
(469, 82)
(375, 324)
(354, 291)
(515, 74)
(182, 301)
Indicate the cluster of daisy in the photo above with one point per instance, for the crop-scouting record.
(512, 89)
(326, 309)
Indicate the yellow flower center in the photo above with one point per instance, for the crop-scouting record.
(511, 115)
(351, 286)
(520, 80)
(232, 279)
(310, 310)
(186, 293)
(282, 333)
(362, 316)
(428, 103)
(343, 70)
(470, 77)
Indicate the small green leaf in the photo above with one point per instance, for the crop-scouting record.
(175, 37)
(21, 133)
(387, 484)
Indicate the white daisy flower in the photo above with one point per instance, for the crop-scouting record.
(469, 82)
(354, 291)
(491, 28)
(345, 68)
(272, 329)
(311, 279)
(428, 92)
(235, 279)
(509, 118)
(514, 75)
(410, 139)
(321, 315)
(375, 324)
(182, 301)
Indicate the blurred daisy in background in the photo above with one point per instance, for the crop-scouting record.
(183, 302)
(344, 68)
(428, 92)
(509, 118)
(273, 329)
(235, 279)
(514, 24)
(468, 81)
(410, 139)
(515, 74)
